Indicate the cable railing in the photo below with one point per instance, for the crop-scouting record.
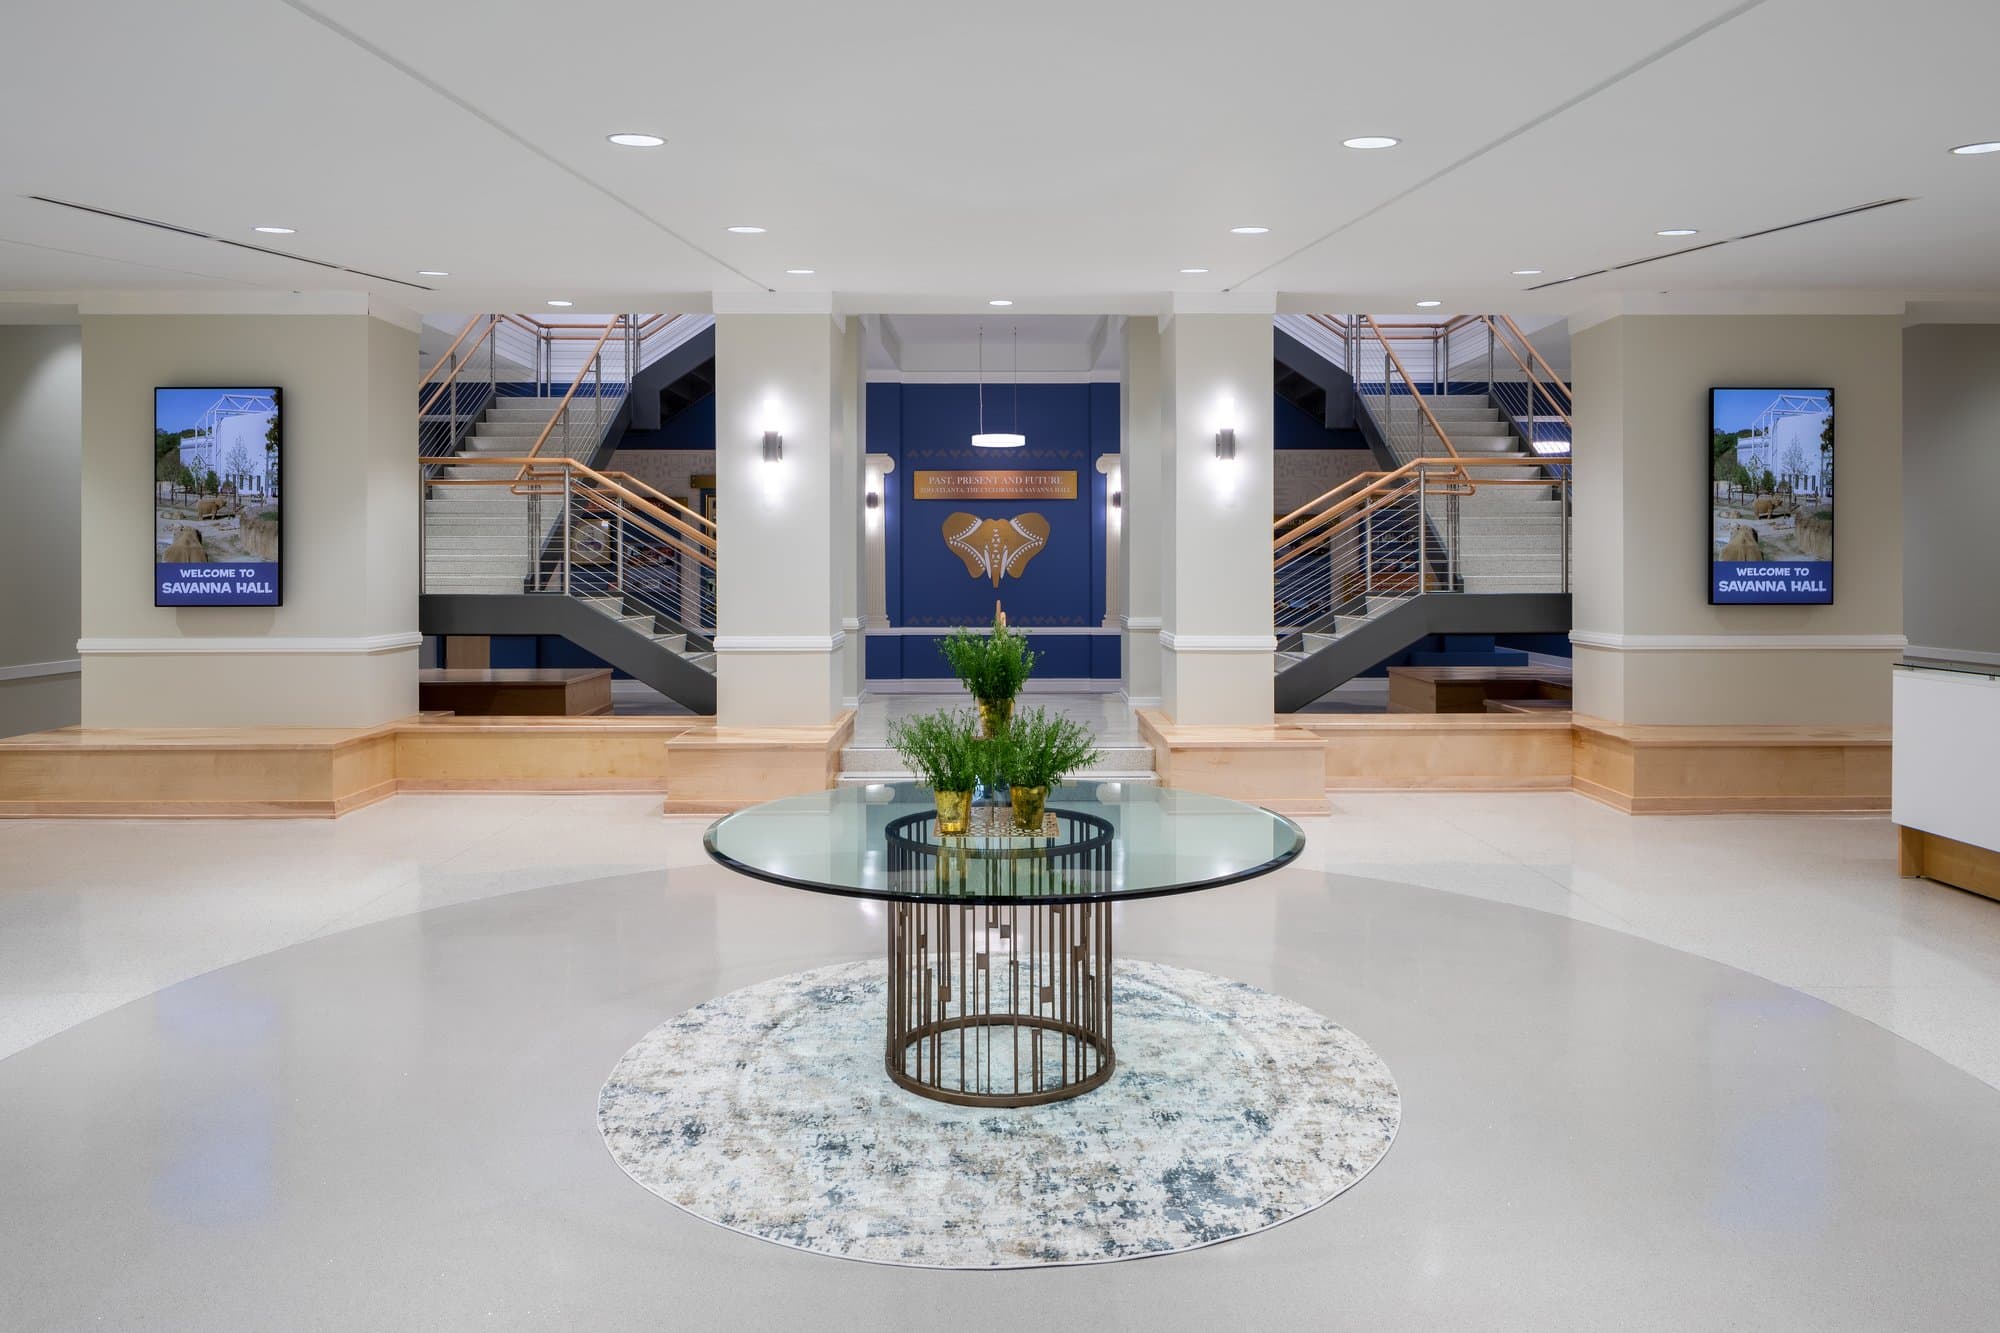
(1395, 399)
(1527, 389)
(564, 528)
(504, 359)
(1353, 553)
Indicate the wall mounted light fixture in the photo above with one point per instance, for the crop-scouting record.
(1225, 442)
(774, 446)
(1117, 499)
(873, 501)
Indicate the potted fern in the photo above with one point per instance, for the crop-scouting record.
(1036, 752)
(993, 667)
(947, 755)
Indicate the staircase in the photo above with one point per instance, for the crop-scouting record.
(1463, 531)
(521, 536)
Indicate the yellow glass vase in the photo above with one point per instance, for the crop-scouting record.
(954, 812)
(994, 715)
(1028, 804)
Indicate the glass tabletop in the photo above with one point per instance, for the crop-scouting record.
(1118, 840)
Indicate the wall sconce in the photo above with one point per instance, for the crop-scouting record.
(774, 446)
(1225, 442)
(1117, 499)
(873, 500)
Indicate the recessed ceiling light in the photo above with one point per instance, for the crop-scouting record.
(1975, 149)
(748, 231)
(800, 272)
(636, 140)
(1194, 270)
(1370, 141)
(563, 303)
(1527, 273)
(278, 231)
(999, 303)
(1249, 231)
(1426, 305)
(432, 273)
(1677, 231)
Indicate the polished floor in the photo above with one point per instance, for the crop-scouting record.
(1657, 1073)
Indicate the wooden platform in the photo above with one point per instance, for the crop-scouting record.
(1466, 689)
(1280, 767)
(1731, 770)
(1442, 751)
(516, 692)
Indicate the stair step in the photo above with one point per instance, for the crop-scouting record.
(673, 643)
(1312, 643)
(706, 661)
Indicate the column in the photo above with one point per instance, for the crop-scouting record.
(1649, 648)
(342, 648)
(1216, 639)
(851, 480)
(779, 642)
(1142, 518)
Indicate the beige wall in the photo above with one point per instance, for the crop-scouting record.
(41, 416)
(1216, 637)
(341, 651)
(1641, 517)
(1951, 481)
(777, 658)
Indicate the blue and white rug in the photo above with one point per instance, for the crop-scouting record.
(767, 1111)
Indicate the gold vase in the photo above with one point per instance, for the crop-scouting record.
(994, 715)
(1028, 803)
(954, 812)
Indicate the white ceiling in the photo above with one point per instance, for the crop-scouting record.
(926, 157)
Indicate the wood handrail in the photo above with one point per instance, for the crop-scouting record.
(446, 382)
(1535, 386)
(1533, 351)
(528, 476)
(575, 384)
(1422, 406)
(441, 361)
(640, 483)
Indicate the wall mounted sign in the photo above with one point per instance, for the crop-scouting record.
(217, 538)
(995, 546)
(1770, 477)
(993, 484)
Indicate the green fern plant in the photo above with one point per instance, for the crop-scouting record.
(992, 666)
(1040, 749)
(943, 749)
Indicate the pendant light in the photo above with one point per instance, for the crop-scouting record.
(999, 440)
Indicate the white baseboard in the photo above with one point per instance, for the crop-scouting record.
(1738, 643)
(367, 645)
(1047, 686)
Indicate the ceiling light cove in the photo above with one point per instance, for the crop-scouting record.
(1367, 141)
(636, 140)
(999, 303)
(278, 231)
(1527, 272)
(1975, 149)
(747, 231)
(1678, 231)
(1248, 231)
(562, 303)
(1426, 305)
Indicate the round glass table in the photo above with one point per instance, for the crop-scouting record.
(999, 943)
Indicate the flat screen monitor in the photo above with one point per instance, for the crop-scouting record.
(218, 536)
(1770, 477)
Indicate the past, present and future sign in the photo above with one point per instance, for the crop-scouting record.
(993, 484)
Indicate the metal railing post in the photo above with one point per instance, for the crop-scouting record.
(1423, 568)
(1368, 550)
(1562, 493)
(568, 523)
(1489, 357)
(618, 549)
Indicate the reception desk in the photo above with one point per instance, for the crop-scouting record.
(1946, 800)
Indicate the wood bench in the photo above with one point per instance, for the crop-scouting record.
(517, 692)
(1465, 689)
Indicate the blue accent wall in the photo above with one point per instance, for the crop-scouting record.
(929, 427)
(1294, 428)
(693, 427)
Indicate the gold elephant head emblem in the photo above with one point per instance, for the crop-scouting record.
(996, 546)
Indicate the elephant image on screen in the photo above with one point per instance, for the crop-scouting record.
(1770, 496)
(217, 526)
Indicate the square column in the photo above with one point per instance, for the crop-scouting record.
(1650, 649)
(342, 650)
(1216, 637)
(1142, 517)
(784, 525)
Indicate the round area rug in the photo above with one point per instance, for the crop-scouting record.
(767, 1111)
